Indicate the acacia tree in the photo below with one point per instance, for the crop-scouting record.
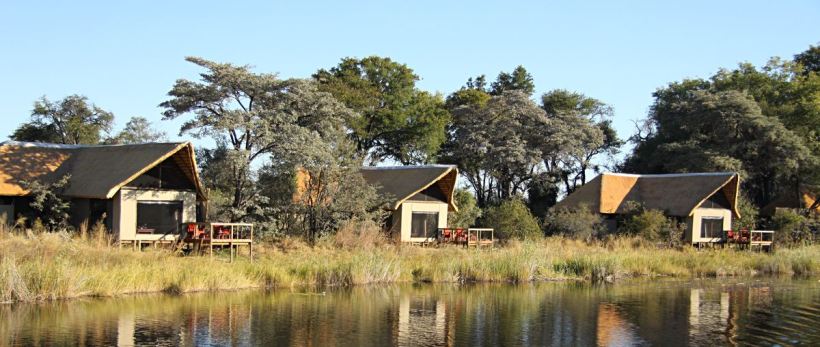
(138, 130)
(252, 115)
(582, 133)
(492, 144)
(393, 119)
(72, 120)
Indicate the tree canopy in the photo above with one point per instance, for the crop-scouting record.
(72, 120)
(392, 119)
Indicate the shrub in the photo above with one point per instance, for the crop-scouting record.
(48, 205)
(357, 234)
(748, 214)
(580, 223)
(791, 228)
(468, 210)
(512, 219)
(652, 225)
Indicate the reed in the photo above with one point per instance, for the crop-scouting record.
(53, 266)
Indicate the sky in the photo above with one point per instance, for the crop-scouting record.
(125, 55)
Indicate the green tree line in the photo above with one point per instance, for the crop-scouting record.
(513, 148)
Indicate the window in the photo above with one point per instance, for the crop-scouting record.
(425, 224)
(711, 227)
(159, 217)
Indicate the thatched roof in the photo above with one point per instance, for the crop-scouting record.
(96, 171)
(804, 198)
(676, 194)
(400, 183)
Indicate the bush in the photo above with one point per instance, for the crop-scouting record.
(512, 219)
(580, 223)
(748, 214)
(791, 228)
(468, 210)
(652, 225)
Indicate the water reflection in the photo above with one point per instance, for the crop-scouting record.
(636, 313)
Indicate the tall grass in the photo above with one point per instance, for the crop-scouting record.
(55, 266)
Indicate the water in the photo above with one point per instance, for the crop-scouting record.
(668, 313)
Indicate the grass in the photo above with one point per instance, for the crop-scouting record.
(55, 266)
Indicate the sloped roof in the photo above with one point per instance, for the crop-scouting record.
(804, 199)
(96, 171)
(402, 182)
(676, 194)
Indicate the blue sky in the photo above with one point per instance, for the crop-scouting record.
(125, 56)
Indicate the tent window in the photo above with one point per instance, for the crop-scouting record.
(159, 217)
(711, 227)
(424, 224)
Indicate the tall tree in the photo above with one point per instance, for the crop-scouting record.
(138, 130)
(719, 131)
(585, 133)
(72, 120)
(253, 115)
(519, 79)
(393, 119)
(492, 143)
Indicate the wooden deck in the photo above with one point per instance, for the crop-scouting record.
(201, 236)
(468, 237)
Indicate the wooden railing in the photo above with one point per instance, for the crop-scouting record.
(219, 232)
(466, 236)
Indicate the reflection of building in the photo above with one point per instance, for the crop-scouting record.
(423, 319)
(711, 312)
(613, 329)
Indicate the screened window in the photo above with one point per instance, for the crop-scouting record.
(159, 217)
(711, 227)
(425, 224)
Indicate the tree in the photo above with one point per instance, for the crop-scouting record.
(393, 119)
(253, 115)
(512, 219)
(809, 60)
(138, 130)
(47, 203)
(519, 79)
(72, 120)
(585, 128)
(495, 145)
(719, 131)
(468, 210)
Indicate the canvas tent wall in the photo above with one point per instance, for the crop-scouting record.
(420, 198)
(114, 178)
(699, 199)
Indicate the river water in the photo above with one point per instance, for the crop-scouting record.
(642, 312)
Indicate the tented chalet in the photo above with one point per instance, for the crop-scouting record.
(420, 198)
(142, 192)
(706, 202)
(803, 198)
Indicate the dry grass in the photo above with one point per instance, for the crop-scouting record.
(55, 266)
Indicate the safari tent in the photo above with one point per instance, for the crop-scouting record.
(706, 202)
(420, 198)
(803, 198)
(140, 191)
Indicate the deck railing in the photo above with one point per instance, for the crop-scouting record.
(466, 236)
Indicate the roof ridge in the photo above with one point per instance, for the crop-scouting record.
(404, 167)
(690, 174)
(66, 146)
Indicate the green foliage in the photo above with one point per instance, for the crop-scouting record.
(748, 214)
(762, 122)
(251, 116)
(809, 60)
(393, 119)
(519, 79)
(468, 210)
(72, 120)
(542, 193)
(138, 130)
(48, 206)
(792, 228)
(512, 219)
(496, 145)
(581, 223)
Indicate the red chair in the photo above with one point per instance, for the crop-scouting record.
(446, 234)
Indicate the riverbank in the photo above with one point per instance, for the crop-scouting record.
(51, 266)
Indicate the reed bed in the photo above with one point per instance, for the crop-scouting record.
(55, 266)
